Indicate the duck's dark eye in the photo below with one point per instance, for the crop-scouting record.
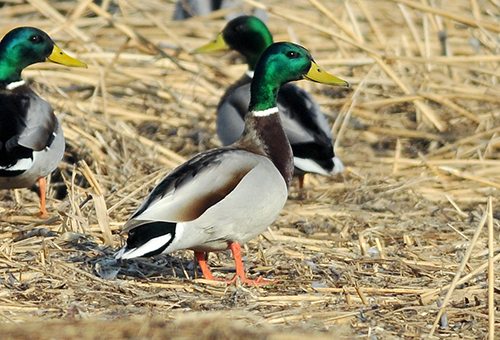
(292, 54)
(239, 28)
(35, 39)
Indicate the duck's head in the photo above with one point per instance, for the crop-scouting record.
(247, 35)
(24, 46)
(281, 63)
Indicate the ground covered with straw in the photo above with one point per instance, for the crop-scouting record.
(399, 246)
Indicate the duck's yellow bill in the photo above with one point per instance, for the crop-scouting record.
(218, 44)
(59, 57)
(318, 75)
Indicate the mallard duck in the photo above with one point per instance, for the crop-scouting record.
(31, 138)
(305, 124)
(185, 9)
(225, 197)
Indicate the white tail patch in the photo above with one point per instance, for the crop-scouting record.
(15, 84)
(265, 113)
(146, 248)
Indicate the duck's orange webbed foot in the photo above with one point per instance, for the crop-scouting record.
(240, 270)
(257, 282)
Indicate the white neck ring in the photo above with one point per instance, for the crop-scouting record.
(265, 113)
(15, 84)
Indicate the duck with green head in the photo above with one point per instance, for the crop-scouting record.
(31, 138)
(305, 125)
(225, 197)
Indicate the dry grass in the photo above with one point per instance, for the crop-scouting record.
(374, 250)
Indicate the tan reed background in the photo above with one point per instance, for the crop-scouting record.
(369, 254)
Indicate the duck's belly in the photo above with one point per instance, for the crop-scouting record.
(245, 213)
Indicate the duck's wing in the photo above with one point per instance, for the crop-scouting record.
(308, 132)
(193, 187)
(28, 122)
(40, 126)
(27, 125)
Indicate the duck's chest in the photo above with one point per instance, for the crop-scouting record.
(275, 144)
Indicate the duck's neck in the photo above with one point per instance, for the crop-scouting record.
(264, 131)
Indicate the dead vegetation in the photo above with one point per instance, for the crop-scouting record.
(372, 252)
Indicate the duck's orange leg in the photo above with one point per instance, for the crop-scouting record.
(42, 185)
(202, 261)
(240, 270)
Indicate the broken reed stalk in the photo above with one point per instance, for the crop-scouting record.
(344, 119)
(334, 19)
(429, 296)
(99, 202)
(465, 175)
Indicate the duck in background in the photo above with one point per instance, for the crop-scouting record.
(305, 125)
(225, 197)
(185, 9)
(31, 138)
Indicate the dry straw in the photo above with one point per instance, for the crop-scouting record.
(390, 249)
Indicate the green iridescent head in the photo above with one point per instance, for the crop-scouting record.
(280, 64)
(24, 46)
(245, 34)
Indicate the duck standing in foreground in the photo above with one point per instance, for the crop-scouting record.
(225, 197)
(31, 138)
(305, 125)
